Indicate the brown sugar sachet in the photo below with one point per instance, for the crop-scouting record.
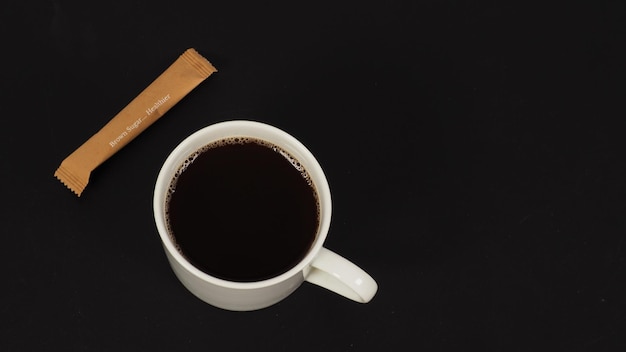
(189, 70)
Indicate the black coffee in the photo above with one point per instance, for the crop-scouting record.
(243, 210)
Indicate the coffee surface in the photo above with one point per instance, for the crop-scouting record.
(242, 210)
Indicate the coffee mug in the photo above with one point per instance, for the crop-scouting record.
(317, 265)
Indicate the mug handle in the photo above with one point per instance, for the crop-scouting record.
(337, 274)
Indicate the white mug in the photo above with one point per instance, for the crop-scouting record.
(320, 266)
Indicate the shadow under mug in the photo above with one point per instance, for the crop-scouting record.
(319, 266)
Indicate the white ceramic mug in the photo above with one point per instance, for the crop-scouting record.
(320, 266)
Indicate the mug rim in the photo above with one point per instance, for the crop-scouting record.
(178, 155)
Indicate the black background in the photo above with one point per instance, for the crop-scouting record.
(474, 151)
